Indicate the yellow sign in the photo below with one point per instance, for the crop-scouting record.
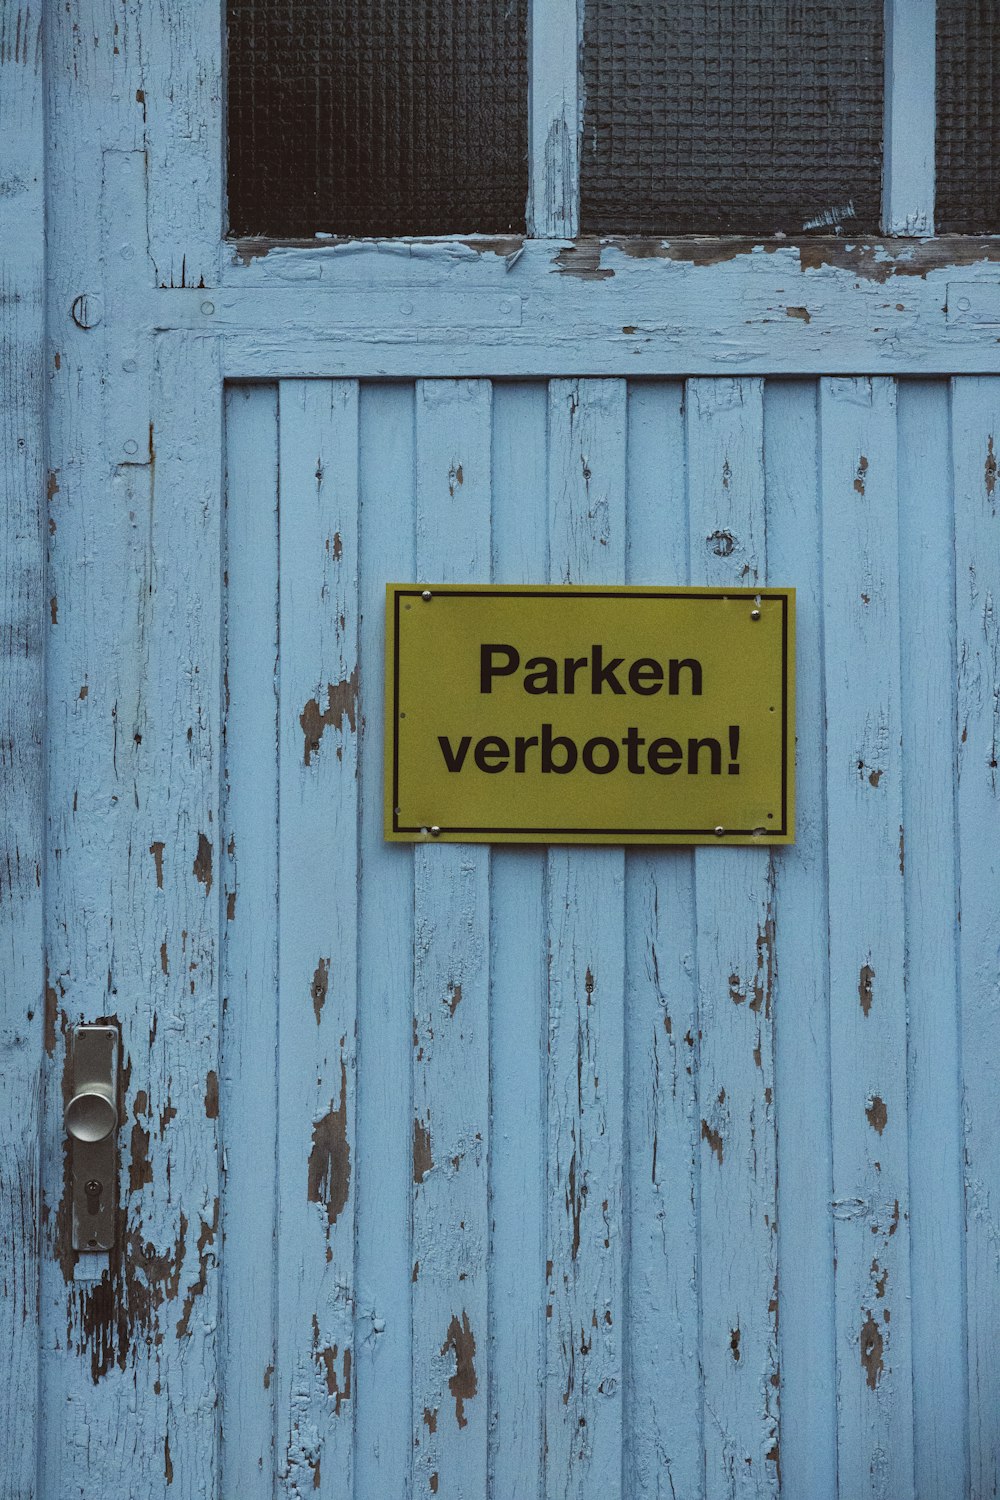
(584, 715)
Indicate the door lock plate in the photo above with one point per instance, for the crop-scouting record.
(91, 1119)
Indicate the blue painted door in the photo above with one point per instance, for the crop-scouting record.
(458, 1171)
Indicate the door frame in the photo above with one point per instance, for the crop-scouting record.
(127, 310)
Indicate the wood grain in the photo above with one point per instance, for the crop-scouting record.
(858, 475)
(22, 731)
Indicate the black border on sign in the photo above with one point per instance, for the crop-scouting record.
(715, 597)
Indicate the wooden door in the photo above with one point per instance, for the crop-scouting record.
(463, 1171)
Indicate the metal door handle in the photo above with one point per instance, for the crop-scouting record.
(91, 1119)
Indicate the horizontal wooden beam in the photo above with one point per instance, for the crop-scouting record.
(589, 307)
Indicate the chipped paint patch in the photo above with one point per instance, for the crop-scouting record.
(319, 986)
(714, 1139)
(865, 990)
(341, 702)
(423, 1159)
(463, 1384)
(206, 1239)
(329, 1171)
(872, 1348)
(202, 867)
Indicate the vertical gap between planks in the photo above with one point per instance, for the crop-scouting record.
(554, 107)
(909, 118)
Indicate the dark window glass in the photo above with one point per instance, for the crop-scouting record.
(377, 117)
(725, 116)
(968, 117)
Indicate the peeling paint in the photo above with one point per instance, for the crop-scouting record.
(212, 1095)
(140, 1170)
(156, 850)
(714, 1139)
(329, 1172)
(423, 1159)
(865, 991)
(206, 1239)
(463, 1385)
(202, 867)
(341, 702)
(319, 986)
(877, 1114)
(872, 1347)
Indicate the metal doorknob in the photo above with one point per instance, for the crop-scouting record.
(91, 1115)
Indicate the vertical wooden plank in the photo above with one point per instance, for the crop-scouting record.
(927, 633)
(450, 1008)
(802, 1025)
(384, 1164)
(663, 1409)
(22, 730)
(517, 1012)
(975, 442)
(908, 176)
(132, 898)
(735, 965)
(554, 120)
(248, 1075)
(179, 105)
(586, 919)
(867, 995)
(317, 948)
(133, 913)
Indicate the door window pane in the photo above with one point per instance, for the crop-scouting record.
(968, 117)
(377, 117)
(732, 116)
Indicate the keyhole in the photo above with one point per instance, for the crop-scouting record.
(93, 1191)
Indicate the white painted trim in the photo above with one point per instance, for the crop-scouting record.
(908, 173)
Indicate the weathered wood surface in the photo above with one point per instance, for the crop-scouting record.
(975, 439)
(585, 916)
(204, 927)
(808, 1437)
(248, 1093)
(451, 1128)
(587, 307)
(735, 959)
(473, 1350)
(22, 730)
(865, 855)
